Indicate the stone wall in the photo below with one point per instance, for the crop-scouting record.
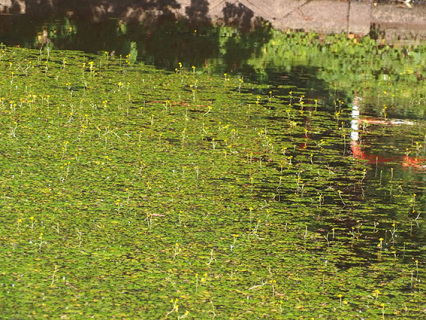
(327, 16)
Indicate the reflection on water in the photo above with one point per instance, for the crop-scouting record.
(395, 151)
(368, 123)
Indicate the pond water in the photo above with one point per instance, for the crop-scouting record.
(203, 173)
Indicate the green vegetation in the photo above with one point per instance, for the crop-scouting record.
(133, 192)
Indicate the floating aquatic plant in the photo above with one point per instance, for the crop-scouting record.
(229, 202)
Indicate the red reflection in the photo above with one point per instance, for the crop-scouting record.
(406, 161)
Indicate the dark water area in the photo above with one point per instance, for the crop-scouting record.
(164, 45)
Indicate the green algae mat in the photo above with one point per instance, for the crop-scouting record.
(129, 192)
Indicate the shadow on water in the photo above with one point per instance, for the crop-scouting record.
(161, 35)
